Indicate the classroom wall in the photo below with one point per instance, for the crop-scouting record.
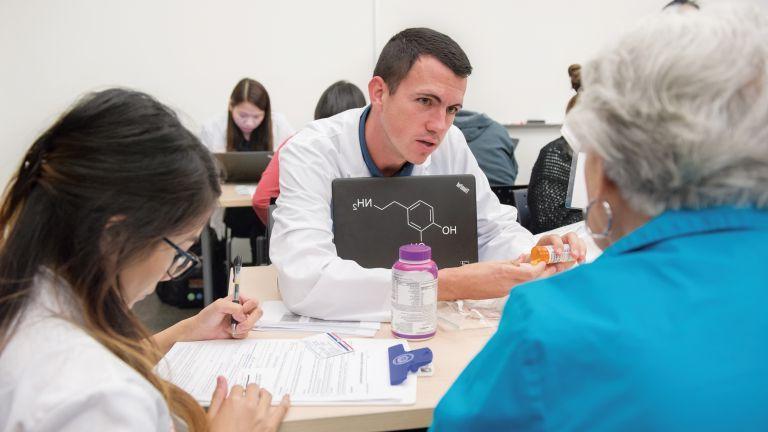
(190, 53)
(187, 53)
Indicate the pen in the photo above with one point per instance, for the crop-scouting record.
(236, 294)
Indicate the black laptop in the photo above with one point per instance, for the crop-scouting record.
(243, 167)
(374, 216)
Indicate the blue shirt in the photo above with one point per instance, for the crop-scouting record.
(667, 330)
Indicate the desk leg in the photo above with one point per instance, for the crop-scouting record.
(207, 267)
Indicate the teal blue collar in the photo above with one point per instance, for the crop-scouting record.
(404, 171)
(681, 223)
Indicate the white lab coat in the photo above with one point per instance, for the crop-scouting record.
(214, 132)
(55, 377)
(312, 279)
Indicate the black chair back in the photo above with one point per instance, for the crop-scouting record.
(516, 196)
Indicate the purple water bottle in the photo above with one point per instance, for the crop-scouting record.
(414, 293)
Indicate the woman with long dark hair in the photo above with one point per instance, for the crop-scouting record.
(105, 205)
(250, 123)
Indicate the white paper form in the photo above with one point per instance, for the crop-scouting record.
(278, 317)
(286, 366)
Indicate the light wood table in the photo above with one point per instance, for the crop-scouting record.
(452, 352)
(229, 198)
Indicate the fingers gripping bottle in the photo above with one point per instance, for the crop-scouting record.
(548, 255)
(414, 293)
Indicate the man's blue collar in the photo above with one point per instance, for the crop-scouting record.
(406, 169)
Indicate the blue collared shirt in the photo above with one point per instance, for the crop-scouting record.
(667, 330)
(406, 169)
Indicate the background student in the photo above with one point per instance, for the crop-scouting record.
(249, 125)
(491, 145)
(548, 187)
(105, 205)
(339, 97)
(666, 330)
(574, 73)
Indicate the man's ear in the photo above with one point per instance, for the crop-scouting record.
(377, 90)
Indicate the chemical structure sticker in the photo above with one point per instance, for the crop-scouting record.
(420, 215)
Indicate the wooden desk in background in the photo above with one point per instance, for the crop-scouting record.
(229, 198)
(452, 352)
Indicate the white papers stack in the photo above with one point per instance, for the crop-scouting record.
(278, 317)
(285, 366)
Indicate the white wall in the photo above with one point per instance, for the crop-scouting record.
(189, 54)
(520, 49)
(532, 139)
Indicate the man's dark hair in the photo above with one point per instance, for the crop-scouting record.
(399, 54)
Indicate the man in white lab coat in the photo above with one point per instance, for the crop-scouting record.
(418, 87)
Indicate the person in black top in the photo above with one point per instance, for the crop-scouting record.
(548, 186)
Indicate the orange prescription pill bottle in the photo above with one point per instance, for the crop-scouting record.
(547, 255)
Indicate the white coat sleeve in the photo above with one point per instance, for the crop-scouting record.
(499, 235)
(312, 279)
(281, 129)
(213, 134)
(111, 407)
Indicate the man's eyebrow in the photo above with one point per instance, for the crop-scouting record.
(437, 98)
(433, 96)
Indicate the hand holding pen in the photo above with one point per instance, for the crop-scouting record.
(237, 266)
(228, 317)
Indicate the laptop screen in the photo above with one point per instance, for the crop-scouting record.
(374, 216)
(243, 167)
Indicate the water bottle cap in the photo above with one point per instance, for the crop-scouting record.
(415, 252)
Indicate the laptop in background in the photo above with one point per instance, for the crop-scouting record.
(243, 167)
(374, 216)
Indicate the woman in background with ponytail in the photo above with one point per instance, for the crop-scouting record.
(104, 206)
(550, 176)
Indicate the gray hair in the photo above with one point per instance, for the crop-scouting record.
(678, 110)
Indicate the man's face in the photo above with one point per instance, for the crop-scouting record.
(417, 116)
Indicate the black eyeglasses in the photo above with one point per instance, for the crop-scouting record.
(183, 263)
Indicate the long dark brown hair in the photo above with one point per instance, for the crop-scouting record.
(249, 90)
(95, 192)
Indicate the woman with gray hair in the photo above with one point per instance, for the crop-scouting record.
(667, 329)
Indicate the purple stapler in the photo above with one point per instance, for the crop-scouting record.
(402, 361)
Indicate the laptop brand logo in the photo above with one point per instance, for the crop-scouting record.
(462, 187)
